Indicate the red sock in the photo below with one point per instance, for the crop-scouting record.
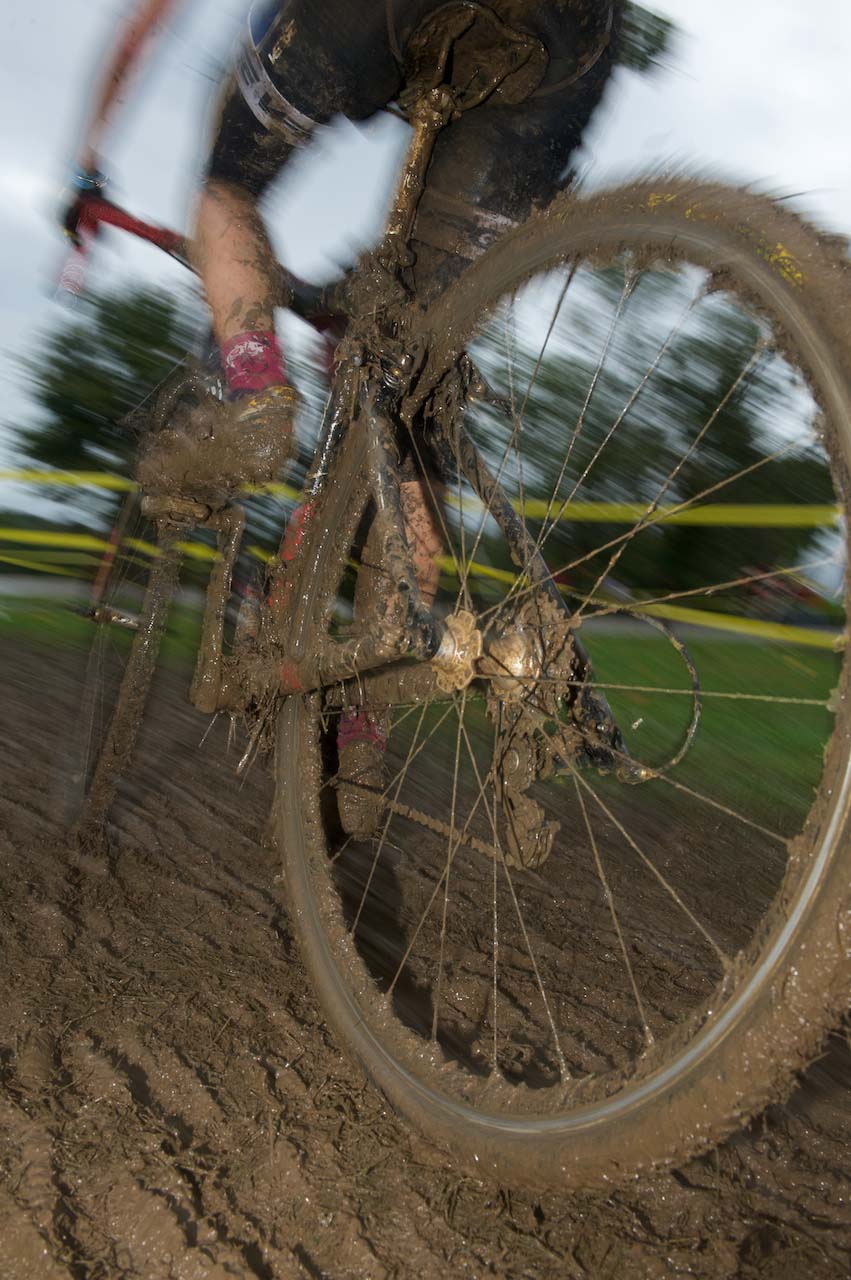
(253, 361)
(360, 726)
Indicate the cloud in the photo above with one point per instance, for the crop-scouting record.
(759, 93)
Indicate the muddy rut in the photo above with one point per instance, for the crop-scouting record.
(172, 1105)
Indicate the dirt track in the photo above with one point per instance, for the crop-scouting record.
(173, 1107)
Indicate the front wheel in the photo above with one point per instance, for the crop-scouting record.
(128, 609)
(564, 966)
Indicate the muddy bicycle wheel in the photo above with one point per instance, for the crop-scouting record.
(128, 609)
(570, 964)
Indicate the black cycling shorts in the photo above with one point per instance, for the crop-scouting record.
(305, 61)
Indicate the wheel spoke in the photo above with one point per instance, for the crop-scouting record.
(649, 523)
(495, 935)
(511, 444)
(653, 505)
(402, 772)
(447, 868)
(568, 281)
(516, 417)
(527, 942)
(713, 588)
(647, 375)
(424, 914)
(630, 280)
(566, 754)
(610, 903)
(652, 868)
(723, 808)
(609, 687)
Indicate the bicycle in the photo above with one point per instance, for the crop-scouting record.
(604, 917)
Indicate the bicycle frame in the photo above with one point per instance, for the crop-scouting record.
(361, 425)
(359, 443)
(353, 411)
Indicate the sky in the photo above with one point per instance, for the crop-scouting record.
(757, 91)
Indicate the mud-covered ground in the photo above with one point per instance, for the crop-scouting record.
(172, 1105)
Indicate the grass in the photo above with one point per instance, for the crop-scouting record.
(53, 621)
(760, 758)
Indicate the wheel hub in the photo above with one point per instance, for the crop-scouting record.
(513, 663)
(460, 649)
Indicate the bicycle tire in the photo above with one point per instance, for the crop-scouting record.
(789, 985)
(112, 703)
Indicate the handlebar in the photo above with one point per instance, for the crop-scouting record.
(308, 301)
(94, 211)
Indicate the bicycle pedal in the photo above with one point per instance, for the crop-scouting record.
(181, 510)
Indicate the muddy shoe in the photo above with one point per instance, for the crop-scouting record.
(212, 449)
(361, 780)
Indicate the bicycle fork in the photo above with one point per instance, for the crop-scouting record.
(205, 690)
(124, 725)
(174, 520)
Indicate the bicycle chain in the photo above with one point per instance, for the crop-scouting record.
(440, 828)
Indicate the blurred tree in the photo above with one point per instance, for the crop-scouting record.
(719, 414)
(646, 38)
(96, 366)
(103, 360)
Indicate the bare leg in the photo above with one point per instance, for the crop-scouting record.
(232, 255)
(217, 447)
(423, 532)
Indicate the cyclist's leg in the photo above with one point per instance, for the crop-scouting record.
(232, 252)
(495, 164)
(210, 447)
(302, 63)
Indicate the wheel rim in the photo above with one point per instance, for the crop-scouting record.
(558, 1051)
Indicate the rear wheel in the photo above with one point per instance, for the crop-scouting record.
(563, 965)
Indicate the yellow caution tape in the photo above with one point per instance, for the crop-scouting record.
(49, 538)
(74, 479)
(761, 515)
(116, 483)
(447, 565)
(52, 556)
(764, 515)
(198, 551)
(139, 544)
(756, 628)
(38, 565)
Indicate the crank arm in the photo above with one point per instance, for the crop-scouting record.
(105, 615)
